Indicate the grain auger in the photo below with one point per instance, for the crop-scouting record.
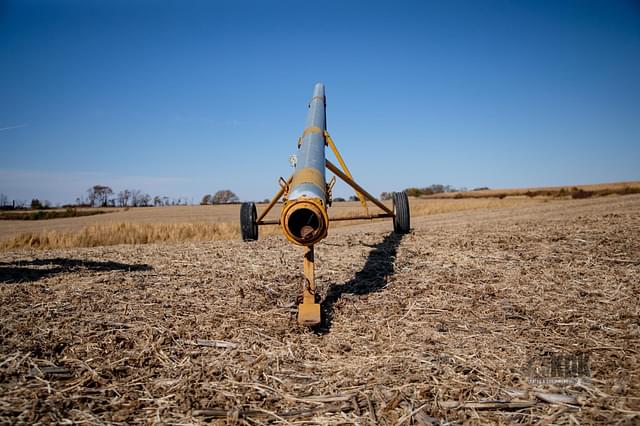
(306, 197)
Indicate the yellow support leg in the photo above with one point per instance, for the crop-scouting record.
(334, 148)
(309, 310)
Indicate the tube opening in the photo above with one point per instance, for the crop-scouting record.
(304, 225)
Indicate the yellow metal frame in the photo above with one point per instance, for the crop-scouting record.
(360, 190)
(343, 174)
(334, 148)
(284, 188)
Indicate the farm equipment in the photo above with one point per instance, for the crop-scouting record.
(306, 197)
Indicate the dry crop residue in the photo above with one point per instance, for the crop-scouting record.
(438, 326)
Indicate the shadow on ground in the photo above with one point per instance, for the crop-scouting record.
(370, 279)
(37, 269)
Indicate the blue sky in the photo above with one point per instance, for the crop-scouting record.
(184, 98)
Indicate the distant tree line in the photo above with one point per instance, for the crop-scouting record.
(341, 199)
(104, 196)
(23, 204)
(436, 188)
(36, 204)
(224, 196)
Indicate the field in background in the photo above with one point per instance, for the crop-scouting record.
(195, 223)
(221, 222)
(571, 191)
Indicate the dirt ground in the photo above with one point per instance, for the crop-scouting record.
(461, 321)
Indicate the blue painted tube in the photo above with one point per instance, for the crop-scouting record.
(311, 154)
(304, 217)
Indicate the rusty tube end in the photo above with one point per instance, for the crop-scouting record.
(304, 221)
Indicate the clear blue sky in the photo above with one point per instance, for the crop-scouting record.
(184, 98)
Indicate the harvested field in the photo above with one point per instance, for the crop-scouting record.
(441, 325)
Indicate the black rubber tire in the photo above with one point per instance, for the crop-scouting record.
(401, 220)
(248, 222)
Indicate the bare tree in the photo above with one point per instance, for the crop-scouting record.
(123, 197)
(36, 204)
(224, 196)
(135, 197)
(91, 197)
(145, 200)
(3, 200)
(206, 199)
(99, 195)
(81, 201)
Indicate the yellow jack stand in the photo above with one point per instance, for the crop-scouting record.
(309, 310)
